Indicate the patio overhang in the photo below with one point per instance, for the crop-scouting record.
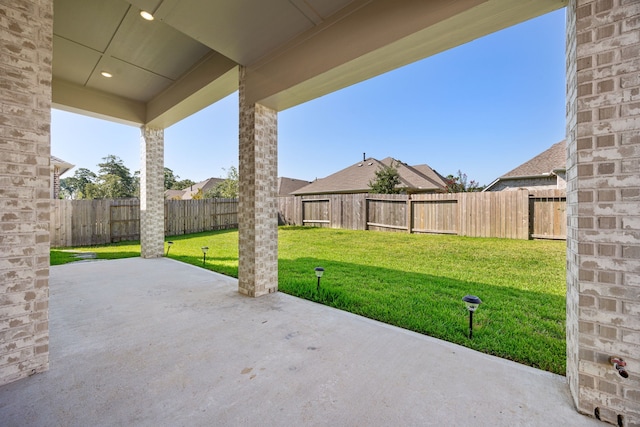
(294, 51)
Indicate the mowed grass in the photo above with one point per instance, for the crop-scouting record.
(417, 282)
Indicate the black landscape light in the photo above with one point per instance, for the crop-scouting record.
(472, 303)
(169, 243)
(204, 254)
(319, 273)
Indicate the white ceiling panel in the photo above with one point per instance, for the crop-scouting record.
(128, 81)
(91, 23)
(156, 47)
(293, 50)
(326, 8)
(242, 30)
(73, 62)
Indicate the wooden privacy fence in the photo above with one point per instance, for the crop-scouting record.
(506, 214)
(96, 222)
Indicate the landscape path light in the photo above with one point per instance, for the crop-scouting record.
(204, 254)
(472, 303)
(319, 273)
(169, 243)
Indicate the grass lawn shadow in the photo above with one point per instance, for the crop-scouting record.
(524, 326)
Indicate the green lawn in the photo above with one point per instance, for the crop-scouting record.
(416, 282)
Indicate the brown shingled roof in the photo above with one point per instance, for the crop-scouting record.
(189, 192)
(555, 158)
(356, 178)
(288, 185)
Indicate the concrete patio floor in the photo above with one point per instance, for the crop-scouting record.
(137, 342)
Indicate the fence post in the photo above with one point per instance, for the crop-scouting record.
(366, 213)
(409, 214)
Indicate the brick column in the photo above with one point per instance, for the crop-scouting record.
(152, 192)
(603, 207)
(26, 30)
(258, 207)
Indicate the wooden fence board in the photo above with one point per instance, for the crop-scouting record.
(96, 222)
(434, 213)
(548, 219)
(316, 211)
(125, 220)
(506, 214)
(387, 212)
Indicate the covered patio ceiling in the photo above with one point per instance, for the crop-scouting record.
(294, 50)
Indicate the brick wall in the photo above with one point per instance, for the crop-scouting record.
(152, 192)
(25, 97)
(258, 205)
(603, 195)
(55, 190)
(572, 207)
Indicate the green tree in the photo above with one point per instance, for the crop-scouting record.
(122, 182)
(461, 184)
(386, 181)
(198, 195)
(182, 184)
(75, 186)
(170, 178)
(108, 187)
(228, 188)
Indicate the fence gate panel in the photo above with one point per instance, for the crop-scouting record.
(387, 212)
(315, 212)
(125, 220)
(548, 214)
(434, 214)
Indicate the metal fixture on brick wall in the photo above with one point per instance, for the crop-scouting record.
(204, 254)
(169, 243)
(472, 303)
(319, 273)
(619, 365)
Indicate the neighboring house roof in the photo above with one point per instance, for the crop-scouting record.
(288, 185)
(285, 187)
(356, 178)
(189, 192)
(548, 163)
(173, 194)
(60, 164)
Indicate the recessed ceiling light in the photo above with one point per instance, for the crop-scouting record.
(146, 15)
(106, 74)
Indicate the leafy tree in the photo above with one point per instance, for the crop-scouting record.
(182, 184)
(108, 187)
(136, 184)
(75, 187)
(386, 181)
(121, 182)
(461, 184)
(170, 178)
(114, 180)
(198, 195)
(226, 189)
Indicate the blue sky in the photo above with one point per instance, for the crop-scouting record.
(482, 108)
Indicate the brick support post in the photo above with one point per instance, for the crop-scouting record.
(152, 193)
(26, 30)
(258, 206)
(603, 214)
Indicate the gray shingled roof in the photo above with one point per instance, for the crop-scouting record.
(356, 178)
(189, 192)
(288, 185)
(555, 158)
